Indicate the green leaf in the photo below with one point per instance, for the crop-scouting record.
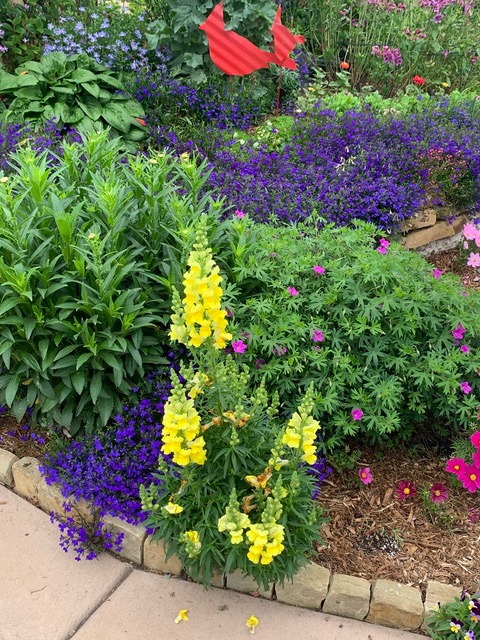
(113, 82)
(11, 390)
(92, 88)
(117, 117)
(85, 357)
(83, 75)
(105, 408)
(91, 107)
(79, 380)
(96, 386)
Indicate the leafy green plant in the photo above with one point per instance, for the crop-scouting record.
(370, 326)
(89, 251)
(237, 485)
(451, 619)
(75, 91)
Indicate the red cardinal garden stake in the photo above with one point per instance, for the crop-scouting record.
(237, 56)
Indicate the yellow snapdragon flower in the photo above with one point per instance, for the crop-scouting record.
(181, 428)
(199, 316)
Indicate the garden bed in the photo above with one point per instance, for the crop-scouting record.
(372, 534)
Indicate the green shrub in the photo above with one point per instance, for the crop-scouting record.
(74, 91)
(89, 251)
(386, 344)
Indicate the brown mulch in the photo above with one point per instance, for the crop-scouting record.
(22, 439)
(451, 262)
(372, 534)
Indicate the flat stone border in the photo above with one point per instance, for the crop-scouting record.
(382, 602)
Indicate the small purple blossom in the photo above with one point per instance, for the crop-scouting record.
(357, 414)
(239, 346)
(292, 291)
(465, 387)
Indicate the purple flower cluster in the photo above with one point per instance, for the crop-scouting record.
(112, 39)
(356, 166)
(107, 470)
(49, 138)
(87, 541)
(390, 56)
(320, 471)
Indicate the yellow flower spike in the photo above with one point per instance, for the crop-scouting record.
(182, 615)
(251, 623)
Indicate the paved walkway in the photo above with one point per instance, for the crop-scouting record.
(46, 595)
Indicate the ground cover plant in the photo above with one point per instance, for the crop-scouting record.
(388, 343)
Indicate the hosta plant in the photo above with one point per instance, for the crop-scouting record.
(235, 485)
(76, 91)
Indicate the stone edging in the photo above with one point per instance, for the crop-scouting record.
(382, 602)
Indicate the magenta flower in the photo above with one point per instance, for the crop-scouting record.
(357, 414)
(292, 291)
(464, 348)
(459, 332)
(239, 346)
(474, 260)
(465, 387)
(475, 439)
(455, 465)
(438, 273)
(470, 477)
(319, 270)
(381, 250)
(438, 492)
(384, 243)
(317, 336)
(405, 489)
(279, 350)
(365, 475)
(239, 214)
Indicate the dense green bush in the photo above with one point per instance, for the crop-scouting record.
(74, 91)
(372, 332)
(89, 250)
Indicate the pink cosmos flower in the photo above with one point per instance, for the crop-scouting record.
(239, 346)
(470, 231)
(465, 387)
(319, 270)
(475, 439)
(365, 475)
(405, 489)
(470, 477)
(438, 492)
(459, 331)
(239, 214)
(317, 336)
(455, 465)
(464, 348)
(292, 291)
(474, 260)
(357, 414)
(384, 243)
(381, 250)
(438, 273)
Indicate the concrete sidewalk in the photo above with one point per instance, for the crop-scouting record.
(46, 595)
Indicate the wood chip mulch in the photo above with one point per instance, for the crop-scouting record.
(372, 534)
